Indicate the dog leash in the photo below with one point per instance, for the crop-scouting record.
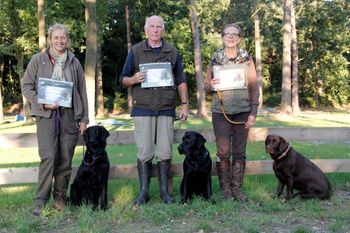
(57, 124)
(219, 95)
(84, 161)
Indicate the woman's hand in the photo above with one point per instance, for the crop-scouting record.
(82, 127)
(214, 81)
(250, 122)
(51, 106)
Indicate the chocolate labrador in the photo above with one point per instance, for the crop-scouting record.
(196, 167)
(90, 183)
(295, 171)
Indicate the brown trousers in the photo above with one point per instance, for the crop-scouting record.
(57, 142)
(231, 139)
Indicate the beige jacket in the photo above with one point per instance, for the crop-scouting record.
(41, 66)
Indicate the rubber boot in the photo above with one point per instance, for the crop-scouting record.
(223, 169)
(145, 170)
(238, 167)
(163, 176)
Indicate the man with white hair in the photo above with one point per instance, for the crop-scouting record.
(153, 108)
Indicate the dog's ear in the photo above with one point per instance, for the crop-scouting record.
(201, 140)
(283, 145)
(105, 133)
(267, 139)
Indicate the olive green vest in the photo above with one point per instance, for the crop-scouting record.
(160, 98)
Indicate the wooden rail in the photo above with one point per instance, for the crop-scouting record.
(15, 140)
(29, 175)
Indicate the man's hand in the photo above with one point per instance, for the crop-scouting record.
(183, 112)
(139, 77)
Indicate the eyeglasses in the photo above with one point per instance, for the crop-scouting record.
(234, 35)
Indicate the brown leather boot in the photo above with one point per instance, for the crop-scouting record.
(59, 200)
(223, 169)
(238, 167)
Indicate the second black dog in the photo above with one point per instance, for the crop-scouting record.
(90, 184)
(196, 167)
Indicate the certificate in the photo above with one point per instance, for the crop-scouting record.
(158, 75)
(230, 77)
(52, 91)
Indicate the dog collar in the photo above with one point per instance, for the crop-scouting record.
(284, 153)
(93, 160)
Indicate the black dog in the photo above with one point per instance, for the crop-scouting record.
(295, 171)
(196, 167)
(90, 184)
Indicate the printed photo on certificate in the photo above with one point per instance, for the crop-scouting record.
(232, 76)
(52, 91)
(158, 75)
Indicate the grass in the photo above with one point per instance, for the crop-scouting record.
(262, 213)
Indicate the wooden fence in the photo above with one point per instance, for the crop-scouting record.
(29, 175)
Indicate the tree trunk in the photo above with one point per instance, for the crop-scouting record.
(315, 64)
(286, 101)
(20, 72)
(1, 99)
(295, 85)
(202, 110)
(258, 57)
(41, 25)
(99, 89)
(128, 37)
(90, 57)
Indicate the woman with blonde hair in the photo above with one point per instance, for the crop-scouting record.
(57, 127)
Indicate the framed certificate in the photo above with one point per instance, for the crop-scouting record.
(158, 75)
(52, 91)
(232, 76)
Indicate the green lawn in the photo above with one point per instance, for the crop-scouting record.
(262, 213)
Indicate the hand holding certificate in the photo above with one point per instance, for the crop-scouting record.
(158, 75)
(230, 77)
(54, 92)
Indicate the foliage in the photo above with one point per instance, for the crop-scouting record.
(322, 38)
(323, 30)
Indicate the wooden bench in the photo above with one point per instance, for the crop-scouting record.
(29, 175)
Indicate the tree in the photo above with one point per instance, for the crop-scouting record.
(1, 98)
(91, 54)
(286, 102)
(41, 25)
(295, 80)
(128, 39)
(99, 83)
(258, 59)
(202, 110)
